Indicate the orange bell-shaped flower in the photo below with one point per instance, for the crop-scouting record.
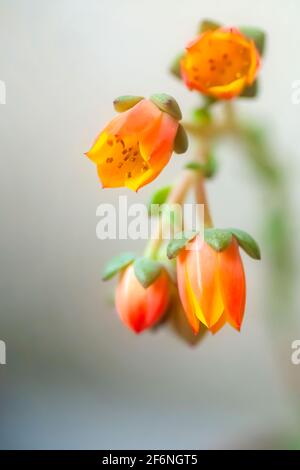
(211, 285)
(135, 146)
(138, 307)
(220, 63)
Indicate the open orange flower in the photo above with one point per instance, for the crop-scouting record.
(135, 146)
(220, 63)
(211, 285)
(138, 307)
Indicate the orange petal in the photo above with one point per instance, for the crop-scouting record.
(130, 123)
(228, 91)
(202, 269)
(141, 308)
(232, 283)
(217, 326)
(220, 63)
(184, 292)
(139, 118)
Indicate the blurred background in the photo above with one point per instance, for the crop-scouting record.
(75, 376)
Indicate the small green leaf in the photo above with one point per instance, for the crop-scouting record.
(123, 103)
(250, 91)
(181, 142)
(147, 271)
(202, 116)
(158, 198)
(217, 238)
(257, 35)
(175, 66)
(117, 263)
(246, 242)
(196, 166)
(168, 104)
(208, 25)
(178, 243)
(208, 169)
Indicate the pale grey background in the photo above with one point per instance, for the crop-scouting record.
(76, 378)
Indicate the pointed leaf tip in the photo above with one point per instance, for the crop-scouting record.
(158, 198)
(117, 263)
(123, 103)
(175, 66)
(250, 91)
(147, 271)
(181, 142)
(247, 243)
(257, 35)
(218, 239)
(208, 25)
(177, 244)
(167, 104)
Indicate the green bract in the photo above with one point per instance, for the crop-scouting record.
(181, 142)
(178, 243)
(147, 271)
(168, 104)
(218, 239)
(117, 263)
(257, 35)
(123, 103)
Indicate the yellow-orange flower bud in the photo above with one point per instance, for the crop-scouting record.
(211, 285)
(138, 307)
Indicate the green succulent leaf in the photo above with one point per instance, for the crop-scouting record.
(158, 198)
(218, 239)
(251, 91)
(168, 104)
(175, 66)
(208, 169)
(196, 166)
(202, 115)
(178, 243)
(208, 25)
(257, 35)
(123, 103)
(246, 242)
(147, 271)
(116, 264)
(181, 142)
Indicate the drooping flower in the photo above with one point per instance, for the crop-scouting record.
(138, 307)
(211, 285)
(220, 63)
(137, 144)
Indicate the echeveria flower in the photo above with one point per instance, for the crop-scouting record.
(211, 285)
(220, 63)
(137, 144)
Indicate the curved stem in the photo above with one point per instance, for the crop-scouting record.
(200, 192)
(177, 196)
(201, 198)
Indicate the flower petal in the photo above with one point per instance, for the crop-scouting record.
(232, 283)
(184, 291)
(203, 269)
(220, 63)
(141, 308)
